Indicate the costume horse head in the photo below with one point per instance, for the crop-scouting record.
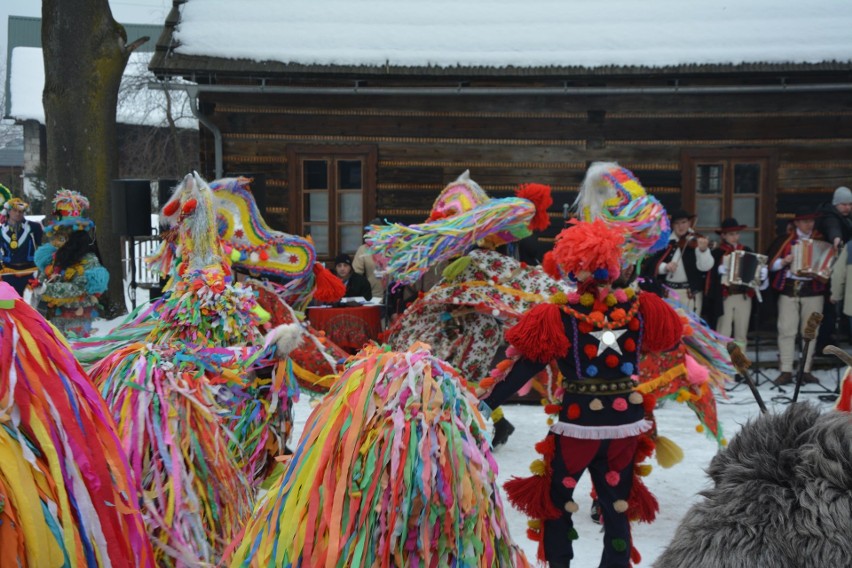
(247, 242)
(251, 244)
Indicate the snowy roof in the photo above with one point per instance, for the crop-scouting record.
(137, 104)
(511, 34)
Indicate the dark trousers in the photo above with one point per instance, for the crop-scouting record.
(610, 464)
(19, 283)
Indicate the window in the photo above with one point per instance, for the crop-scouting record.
(332, 194)
(721, 184)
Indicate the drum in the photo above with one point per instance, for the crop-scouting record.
(744, 269)
(813, 259)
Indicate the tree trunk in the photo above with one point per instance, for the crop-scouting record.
(85, 53)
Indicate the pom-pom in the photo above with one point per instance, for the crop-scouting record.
(546, 447)
(538, 467)
(644, 470)
(619, 544)
(696, 373)
(573, 411)
(286, 337)
(540, 196)
(44, 255)
(540, 334)
(189, 206)
(171, 207)
(559, 298)
(97, 280)
(329, 288)
(663, 329)
(612, 478)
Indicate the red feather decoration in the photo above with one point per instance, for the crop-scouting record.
(539, 194)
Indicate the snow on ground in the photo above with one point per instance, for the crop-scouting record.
(676, 488)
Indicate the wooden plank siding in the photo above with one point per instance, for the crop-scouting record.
(424, 142)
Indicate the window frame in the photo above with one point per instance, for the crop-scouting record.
(729, 159)
(332, 154)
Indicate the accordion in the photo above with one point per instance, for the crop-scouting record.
(744, 269)
(813, 259)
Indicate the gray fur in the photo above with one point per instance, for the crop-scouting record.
(782, 497)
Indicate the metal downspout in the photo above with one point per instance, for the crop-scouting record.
(192, 92)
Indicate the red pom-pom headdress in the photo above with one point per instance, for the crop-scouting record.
(591, 247)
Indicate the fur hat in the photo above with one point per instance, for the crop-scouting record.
(842, 195)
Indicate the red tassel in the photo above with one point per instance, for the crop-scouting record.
(329, 288)
(540, 334)
(642, 505)
(531, 496)
(539, 194)
(644, 448)
(550, 266)
(663, 328)
(552, 408)
(635, 557)
(533, 535)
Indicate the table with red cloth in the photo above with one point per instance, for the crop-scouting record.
(348, 327)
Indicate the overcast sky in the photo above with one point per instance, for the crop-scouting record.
(125, 11)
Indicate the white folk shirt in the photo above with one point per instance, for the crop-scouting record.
(703, 261)
(778, 264)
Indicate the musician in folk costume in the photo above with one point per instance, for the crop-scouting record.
(734, 311)
(798, 296)
(19, 240)
(683, 265)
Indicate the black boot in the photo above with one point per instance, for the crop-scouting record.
(596, 512)
(502, 430)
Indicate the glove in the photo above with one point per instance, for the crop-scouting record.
(764, 273)
(723, 269)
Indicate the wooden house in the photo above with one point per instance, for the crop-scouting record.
(351, 110)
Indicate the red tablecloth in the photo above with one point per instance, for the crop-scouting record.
(350, 328)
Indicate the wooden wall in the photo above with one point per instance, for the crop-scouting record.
(425, 142)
